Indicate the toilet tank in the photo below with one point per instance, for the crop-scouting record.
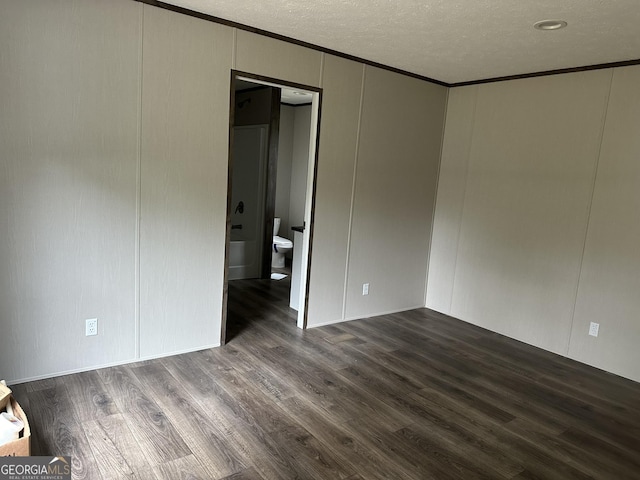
(276, 226)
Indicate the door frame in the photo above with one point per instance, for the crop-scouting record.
(310, 199)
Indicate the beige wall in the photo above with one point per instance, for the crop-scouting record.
(452, 181)
(394, 192)
(516, 205)
(113, 158)
(68, 162)
(610, 276)
(113, 171)
(184, 155)
(339, 126)
(277, 59)
(377, 171)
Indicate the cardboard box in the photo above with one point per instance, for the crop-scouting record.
(5, 393)
(22, 446)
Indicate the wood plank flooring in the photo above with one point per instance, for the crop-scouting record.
(415, 395)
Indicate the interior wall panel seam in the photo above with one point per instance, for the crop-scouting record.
(353, 192)
(138, 189)
(588, 216)
(435, 196)
(234, 48)
(469, 149)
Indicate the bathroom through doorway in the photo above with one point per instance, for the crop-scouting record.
(272, 164)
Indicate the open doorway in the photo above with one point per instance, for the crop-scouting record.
(272, 164)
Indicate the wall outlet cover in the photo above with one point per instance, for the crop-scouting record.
(593, 329)
(91, 327)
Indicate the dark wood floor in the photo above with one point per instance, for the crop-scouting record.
(407, 396)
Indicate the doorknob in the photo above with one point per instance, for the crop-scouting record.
(240, 207)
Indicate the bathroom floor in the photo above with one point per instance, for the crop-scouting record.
(277, 273)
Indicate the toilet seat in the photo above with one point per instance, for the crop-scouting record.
(281, 242)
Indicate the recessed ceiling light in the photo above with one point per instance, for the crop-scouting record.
(550, 24)
(298, 93)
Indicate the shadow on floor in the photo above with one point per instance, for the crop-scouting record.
(255, 301)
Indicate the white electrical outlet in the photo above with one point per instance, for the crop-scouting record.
(365, 289)
(593, 329)
(91, 327)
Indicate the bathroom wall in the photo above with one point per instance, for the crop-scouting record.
(283, 180)
(535, 232)
(299, 166)
(113, 175)
(253, 107)
(293, 161)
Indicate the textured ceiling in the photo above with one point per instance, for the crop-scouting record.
(451, 41)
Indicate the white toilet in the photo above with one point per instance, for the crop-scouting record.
(281, 246)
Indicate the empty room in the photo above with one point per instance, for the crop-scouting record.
(320, 240)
